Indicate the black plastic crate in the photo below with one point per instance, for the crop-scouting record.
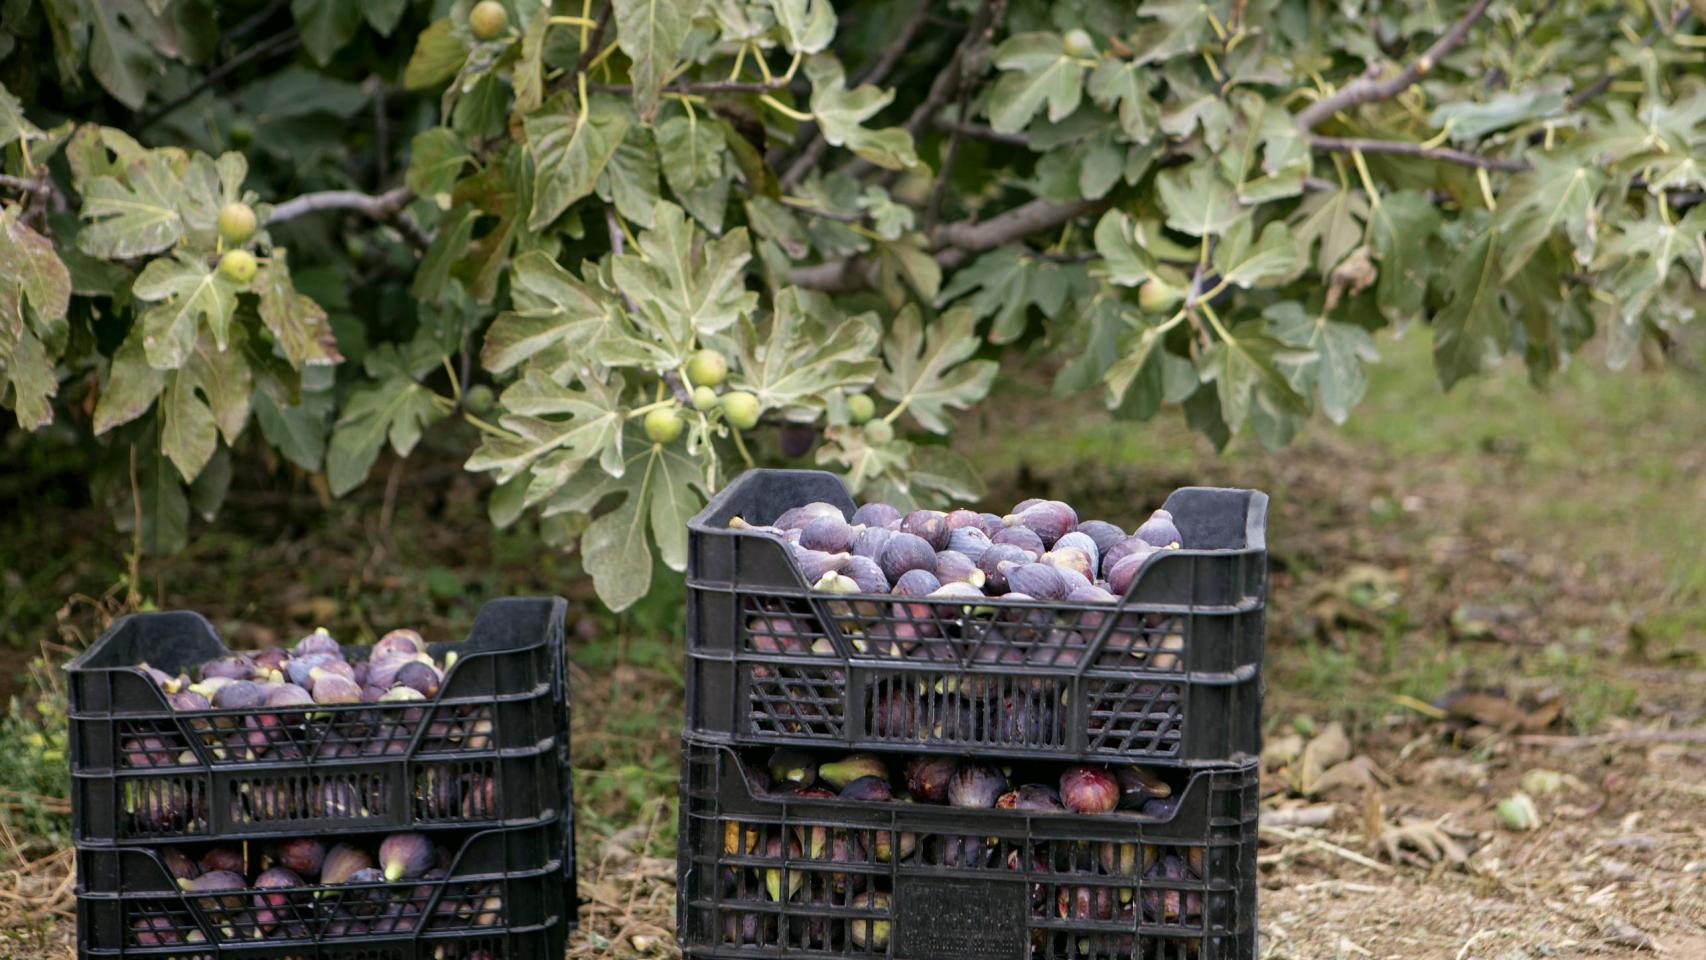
(499, 881)
(144, 773)
(1171, 674)
(512, 943)
(767, 876)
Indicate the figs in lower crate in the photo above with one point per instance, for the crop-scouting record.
(225, 882)
(850, 768)
(927, 778)
(479, 800)
(792, 766)
(953, 566)
(148, 752)
(904, 552)
(405, 856)
(969, 541)
(1085, 903)
(1033, 798)
(228, 859)
(153, 931)
(894, 714)
(928, 525)
(872, 934)
(1037, 580)
(179, 864)
(301, 855)
(871, 541)
(994, 562)
(342, 862)
(1137, 785)
(828, 534)
(876, 515)
(271, 909)
(1085, 789)
(1159, 531)
(870, 789)
(773, 882)
(976, 786)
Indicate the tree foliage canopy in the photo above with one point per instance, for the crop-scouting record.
(519, 238)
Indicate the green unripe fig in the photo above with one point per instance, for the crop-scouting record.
(236, 222)
(238, 266)
(242, 134)
(478, 399)
(707, 368)
(741, 409)
(663, 425)
(1079, 44)
(488, 19)
(860, 407)
(1157, 295)
(879, 432)
(704, 398)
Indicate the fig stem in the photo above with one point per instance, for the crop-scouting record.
(573, 22)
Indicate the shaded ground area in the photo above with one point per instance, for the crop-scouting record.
(1533, 555)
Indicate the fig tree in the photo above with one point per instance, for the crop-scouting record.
(860, 407)
(663, 425)
(707, 368)
(488, 19)
(238, 266)
(236, 222)
(741, 409)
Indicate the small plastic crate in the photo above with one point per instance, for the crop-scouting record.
(501, 882)
(1171, 674)
(512, 943)
(768, 876)
(487, 749)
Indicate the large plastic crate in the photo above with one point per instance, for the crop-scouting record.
(501, 882)
(768, 876)
(144, 773)
(1171, 674)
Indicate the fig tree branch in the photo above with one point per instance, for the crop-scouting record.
(386, 207)
(978, 131)
(1367, 88)
(283, 42)
(702, 86)
(1348, 144)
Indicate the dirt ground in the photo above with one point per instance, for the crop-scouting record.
(1447, 630)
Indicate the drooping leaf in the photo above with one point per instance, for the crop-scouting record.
(1338, 351)
(1172, 28)
(436, 159)
(841, 112)
(298, 324)
(1245, 371)
(186, 292)
(118, 58)
(395, 408)
(807, 25)
(1196, 200)
(1472, 331)
(26, 375)
(1399, 230)
(29, 264)
(651, 33)
(439, 55)
(570, 150)
(188, 434)
(929, 371)
(383, 15)
(1334, 220)
(1265, 261)
(132, 218)
(298, 431)
(1471, 120)
(632, 177)
(130, 387)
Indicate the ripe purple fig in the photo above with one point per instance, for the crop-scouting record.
(796, 518)
(828, 534)
(1091, 594)
(994, 562)
(853, 767)
(179, 864)
(874, 789)
(405, 856)
(1022, 537)
(870, 935)
(335, 798)
(975, 786)
(234, 667)
(1089, 790)
(953, 566)
(479, 799)
(1119, 551)
(1078, 540)
(401, 641)
(928, 525)
(1121, 577)
(969, 541)
(1105, 535)
(1139, 785)
(916, 583)
(148, 752)
(1085, 903)
(217, 881)
(904, 552)
(238, 695)
(270, 908)
(1048, 519)
(164, 680)
(1073, 559)
(318, 642)
(1159, 531)
(301, 855)
(1161, 808)
(866, 575)
(420, 677)
(330, 688)
(1074, 579)
(188, 700)
(927, 778)
(871, 541)
(1038, 580)
(153, 931)
(992, 524)
(876, 515)
(1036, 798)
(814, 564)
(222, 858)
(342, 862)
(270, 659)
(896, 714)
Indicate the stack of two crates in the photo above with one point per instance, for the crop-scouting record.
(480, 769)
(1170, 679)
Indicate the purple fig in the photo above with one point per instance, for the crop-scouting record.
(1138, 785)
(969, 541)
(904, 552)
(342, 862)
(870, 935)
(1085, 903)
(1164, 906)
(318, 642)
(953, 566)
(228, 859)
(1074, 579)
(1159, 531)
(866, 575)
(927, 778)
(995, 560)
(1048, 519)
(338, 799)
(420, 677)
(871, 541)
(179, 864)
(301, 855)
(975, 786)
(796, 518)
(1081, 542)
(359, 671)
(894, 715)
(1119, 551)
(267, 905)
(297, 669)
(1161, 808)
(868, 789)
(217, 881)
(957, 519)
(1032, 798)
(927, 525)
(153, 931)
(1024, 538)
(992, 524)
(405, 856)
(234, 667)
(916, 583)
(479, 799)
(288, 695)
(238, 695)
(1121, 577)
(188, 700)
(165, 681)
(270, 660)
(876, 515)
(400, 641)
(1101, 533)
(382, 672)
(1073, 559)
(792, 766)
(828, 535)
(1038, 580)
(814, 564)
(330, 688)
(1089, 790)
(148, 752)
(1091, 594)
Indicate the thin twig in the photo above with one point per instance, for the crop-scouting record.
(284, 42)
(243, 29)
(701, 86)
(1348, 144)
(1325, 846)
(978, 131)
(1367, 89)
(595, 39)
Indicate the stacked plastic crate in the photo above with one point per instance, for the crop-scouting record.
(1168, 678)
(472, 780)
